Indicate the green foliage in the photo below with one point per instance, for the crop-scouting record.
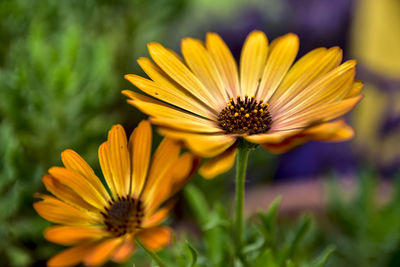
(365, 230)
(61, 73)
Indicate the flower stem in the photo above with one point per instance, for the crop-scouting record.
(152, 255)
(241, 166)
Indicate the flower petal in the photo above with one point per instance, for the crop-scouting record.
(119, 160)
(155, 238)
(57, 211)
(170, 116)
(104, 158)
(80, 185)
(271, 137)
(202, 65)
(331, 132)
(140, 150)
(201, 144)
(73, 161)
(252, 62)
(102, 252)
(72, 256)
(355, 89)
(124, 251)
(283, 52)
(72, 235)
(308, 68)
(159, 216)
(66, 194)
(219, 164)
(171, 64)
(224, 62)
(166, 90)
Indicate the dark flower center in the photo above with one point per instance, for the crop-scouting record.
(123, 215)
(245, 116)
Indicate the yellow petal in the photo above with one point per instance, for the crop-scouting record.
(355, 89)
(173, 66)
(119, 160)
(73, 161)
(166, 90)
(72, 256)
(104, 158)
(102, 252)
(201, 144)
(219, 164)
(124, 251)
(283, 52)
(174, 117)
(202, 65)
(80, 185)
(329, 132)
(57, 211)
(72, 235)
(66, 194)
(224, 62)
(155, 238)
(252, 62)
(140, 150)
(271, 137)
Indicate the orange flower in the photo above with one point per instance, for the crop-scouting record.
(208, 103)
(100, 225)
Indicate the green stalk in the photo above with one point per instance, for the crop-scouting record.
(242, 155)
(152, 255)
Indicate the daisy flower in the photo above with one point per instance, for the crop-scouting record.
(209, 103)
(103, 224)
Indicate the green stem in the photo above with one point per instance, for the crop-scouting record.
(152, 255)
(241, 166)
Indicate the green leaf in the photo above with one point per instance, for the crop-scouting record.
(192, 252)
(321, 260)
(265, 259)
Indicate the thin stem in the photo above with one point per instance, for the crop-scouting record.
(241, 166)
(152, 255)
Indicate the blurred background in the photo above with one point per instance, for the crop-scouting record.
(61, 73)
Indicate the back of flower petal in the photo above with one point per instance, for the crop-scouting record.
(155, 238)
(72, 235)
(219, 164)
(72, 256)
(102, 252)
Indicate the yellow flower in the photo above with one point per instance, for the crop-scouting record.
(208, 103)
(100, 225)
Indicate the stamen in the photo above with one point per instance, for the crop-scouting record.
(245, 116)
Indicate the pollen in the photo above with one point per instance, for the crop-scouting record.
(123, 215)
(245, 116)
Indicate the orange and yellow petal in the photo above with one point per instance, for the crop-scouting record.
(224, 62)
(140, 150)
(104, 159)
(283, 52)
(124, 251)
(154, 239)
(71, 256)
(80, 185)
(103, 251)
(331, 132)
(73, 161)
(219, 164)
(57, 211)
(72, 235)
(159, 216)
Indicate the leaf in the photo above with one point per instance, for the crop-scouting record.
(321, 260)
(265, 259)
(193, 254)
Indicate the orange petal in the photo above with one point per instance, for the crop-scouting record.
(72, 235)
(140, 150)
(57, 211)
(159, 216)
(104, 158)
(271, 137)
(119, 160)
(73, 161)
(224, 62)
(80, 185)
(155, 238)
(66, 194)
(330, 132)
(72, 256)
(102, 252)
(124, 251)
(219, 164)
